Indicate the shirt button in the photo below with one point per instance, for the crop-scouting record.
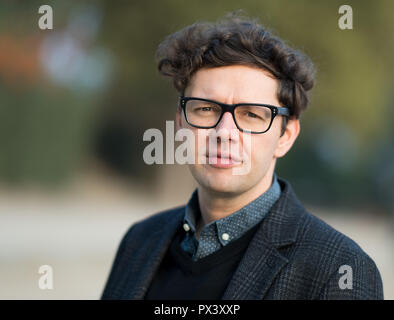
(186, 227)
(225, 236)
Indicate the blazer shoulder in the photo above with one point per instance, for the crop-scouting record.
(326, 254)
(132, 248)
(331, 243)
(154, 223)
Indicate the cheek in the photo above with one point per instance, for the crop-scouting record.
(262, 150)
(201, 144)
(184, 124)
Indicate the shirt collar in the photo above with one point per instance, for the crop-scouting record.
(237, 223)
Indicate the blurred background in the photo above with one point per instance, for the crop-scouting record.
(76, 100)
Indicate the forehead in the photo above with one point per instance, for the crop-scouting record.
(234, 84)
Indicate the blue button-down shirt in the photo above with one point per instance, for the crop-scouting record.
(235, 225)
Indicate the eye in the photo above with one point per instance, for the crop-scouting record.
(205, 108)
(252, 115)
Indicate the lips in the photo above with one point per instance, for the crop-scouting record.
(220, 160)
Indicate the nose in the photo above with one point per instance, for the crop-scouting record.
(227, 122)
(226, 129)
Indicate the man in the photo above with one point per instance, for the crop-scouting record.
(245, 234)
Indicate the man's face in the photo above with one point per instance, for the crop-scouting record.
(253, 155)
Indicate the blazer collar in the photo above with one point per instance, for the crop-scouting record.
(280, 227)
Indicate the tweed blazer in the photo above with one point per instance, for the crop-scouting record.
(293, 255)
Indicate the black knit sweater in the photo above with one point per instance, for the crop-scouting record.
(181, 278)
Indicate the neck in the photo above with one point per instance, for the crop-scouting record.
(215, 206)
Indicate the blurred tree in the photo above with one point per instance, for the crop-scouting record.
(50, 127)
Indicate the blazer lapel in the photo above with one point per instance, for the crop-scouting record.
(262, 261)
(256, 272)
(150, 256)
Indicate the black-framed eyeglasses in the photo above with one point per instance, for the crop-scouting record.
(248, 117)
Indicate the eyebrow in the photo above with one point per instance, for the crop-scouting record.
(239, 102)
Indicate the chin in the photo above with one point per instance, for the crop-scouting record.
(220, 182)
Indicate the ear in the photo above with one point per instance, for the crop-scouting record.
(286, 141)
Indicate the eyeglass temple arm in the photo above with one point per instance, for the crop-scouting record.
(283, 111)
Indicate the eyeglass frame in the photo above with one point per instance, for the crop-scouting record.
(275, 111)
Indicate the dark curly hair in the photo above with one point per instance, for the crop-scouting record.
(237, 40)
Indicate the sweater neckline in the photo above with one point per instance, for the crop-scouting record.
(232, 251)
